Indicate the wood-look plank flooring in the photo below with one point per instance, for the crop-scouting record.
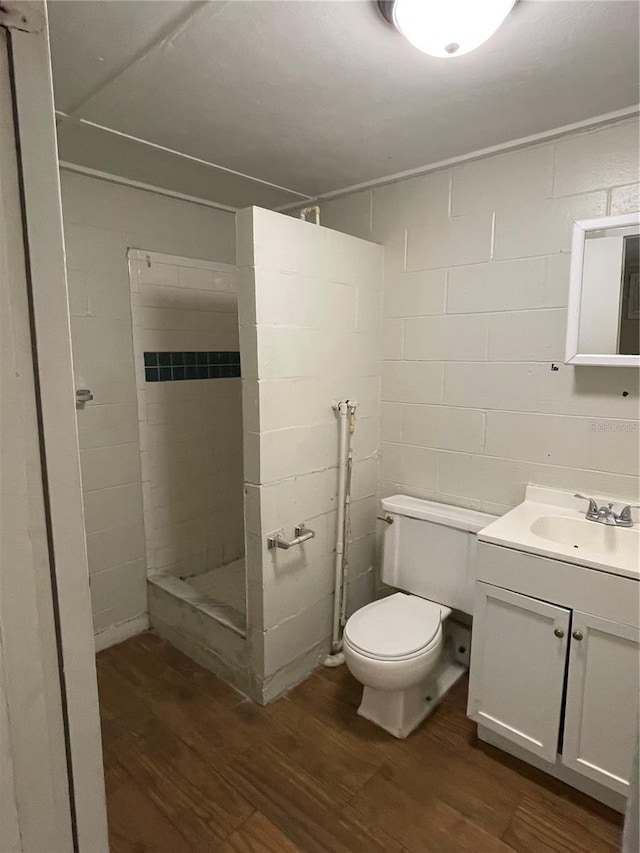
(192, 766)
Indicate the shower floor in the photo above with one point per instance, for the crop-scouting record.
(225, 585)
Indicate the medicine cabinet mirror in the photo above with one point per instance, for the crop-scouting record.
(603, 323)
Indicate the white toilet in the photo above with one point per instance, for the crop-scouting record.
(403, 648)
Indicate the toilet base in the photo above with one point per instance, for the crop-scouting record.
(401, 711)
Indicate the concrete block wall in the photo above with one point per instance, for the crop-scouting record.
(475, 294)
(310, 313)
(102, 221)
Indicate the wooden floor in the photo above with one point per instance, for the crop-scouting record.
(191, 766)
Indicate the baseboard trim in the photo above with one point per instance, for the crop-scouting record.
(115, 634)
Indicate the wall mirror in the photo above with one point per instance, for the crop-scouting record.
(603, 322)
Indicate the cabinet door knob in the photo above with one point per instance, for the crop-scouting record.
(559, 633)
(577, 635)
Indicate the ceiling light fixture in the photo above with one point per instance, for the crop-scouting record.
(446, 28)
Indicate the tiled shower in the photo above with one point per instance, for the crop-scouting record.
(185, 335)
(291, 330)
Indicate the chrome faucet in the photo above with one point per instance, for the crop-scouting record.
(607, 515)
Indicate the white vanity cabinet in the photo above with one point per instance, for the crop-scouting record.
(601, 712)
(517, 672)
(555, 660)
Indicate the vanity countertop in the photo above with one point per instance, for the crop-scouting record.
(551, 523)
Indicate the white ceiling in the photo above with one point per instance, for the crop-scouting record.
(310, 96)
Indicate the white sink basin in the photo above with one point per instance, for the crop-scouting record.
(552, 524)
(590, 539)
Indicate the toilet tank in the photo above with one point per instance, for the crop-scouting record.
(429, 549)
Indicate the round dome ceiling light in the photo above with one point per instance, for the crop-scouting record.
(446, 28)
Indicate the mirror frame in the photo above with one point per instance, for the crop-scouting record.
(580, 229)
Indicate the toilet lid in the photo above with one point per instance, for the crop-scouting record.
(394, 627)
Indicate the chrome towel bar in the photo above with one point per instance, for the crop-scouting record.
(303, 534)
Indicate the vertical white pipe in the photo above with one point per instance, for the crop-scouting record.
(342, 485)
(346, 414)
(351, 426)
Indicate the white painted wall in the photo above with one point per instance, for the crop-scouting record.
(310, 313)
(475, 295)
(102, 221)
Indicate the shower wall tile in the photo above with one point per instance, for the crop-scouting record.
(180, 366)
(190, 426)
(101, 221)
(313, 306)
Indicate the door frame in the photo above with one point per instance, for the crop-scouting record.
(46, 286)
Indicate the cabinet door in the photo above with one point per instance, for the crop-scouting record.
(518, 655)
(601, 715)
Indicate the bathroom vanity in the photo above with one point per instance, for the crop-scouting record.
(555, 658)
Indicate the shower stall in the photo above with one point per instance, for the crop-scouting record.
(239, 372)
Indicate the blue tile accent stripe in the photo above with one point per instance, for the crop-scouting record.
(174, 366)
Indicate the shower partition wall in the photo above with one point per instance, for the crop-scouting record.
(310, 329)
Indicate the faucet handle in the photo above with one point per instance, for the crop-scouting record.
(593, 506)
(625, 512)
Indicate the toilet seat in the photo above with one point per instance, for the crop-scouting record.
(396, 628)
